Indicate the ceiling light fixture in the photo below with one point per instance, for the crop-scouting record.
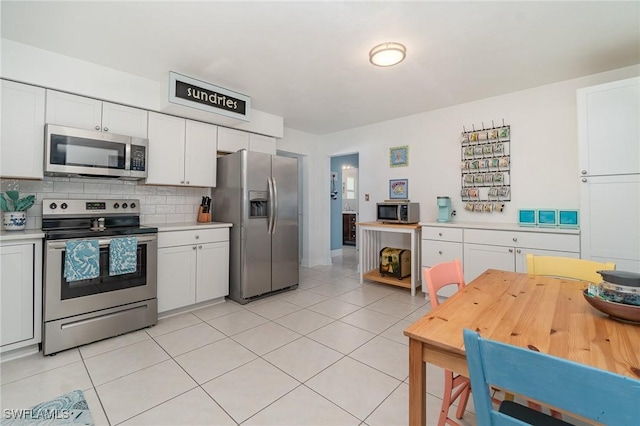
(387, 54)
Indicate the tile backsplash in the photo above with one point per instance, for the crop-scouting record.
(158, 204)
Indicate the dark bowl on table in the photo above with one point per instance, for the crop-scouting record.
(615, 310)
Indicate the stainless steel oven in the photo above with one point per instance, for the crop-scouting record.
(86, 310)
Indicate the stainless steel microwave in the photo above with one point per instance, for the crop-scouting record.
(398, 212)
(79, 152)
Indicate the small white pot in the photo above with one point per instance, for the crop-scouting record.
(14, 221)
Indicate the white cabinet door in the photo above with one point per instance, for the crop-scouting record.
(213, 271)
(260, 143)
(521, 256)
(17, 294)
(74, 111)
(200, 154)
(478, 258)
(230, 140)
(166, 150)
(610, 210)
(22, 131)
(608, 128)
(124, 120)
(176, 277)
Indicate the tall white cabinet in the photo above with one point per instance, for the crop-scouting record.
(609, 144)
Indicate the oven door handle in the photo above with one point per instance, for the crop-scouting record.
(103, 243)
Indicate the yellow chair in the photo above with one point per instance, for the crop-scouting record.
(566, 267)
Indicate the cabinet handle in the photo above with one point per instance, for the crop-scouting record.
(187, 182)
(510, 250)
(584, 172)
(439, 251)
(200, 247)
(106, 129)
(97, 127)
(518, 251)
(440, 234)
(197, 237)
(584, 179)
(194, 247)
(515, 239)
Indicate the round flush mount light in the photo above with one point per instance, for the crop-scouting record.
(387, 54)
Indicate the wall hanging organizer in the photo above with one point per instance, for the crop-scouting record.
(486, 168)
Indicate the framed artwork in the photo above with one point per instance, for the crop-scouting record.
(399, 189)
(399, 156)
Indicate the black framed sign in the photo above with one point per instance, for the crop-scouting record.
(187, 91)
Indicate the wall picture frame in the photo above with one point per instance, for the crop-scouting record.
(399, 156)
(527, 217)
(399, 189)
(547, 217)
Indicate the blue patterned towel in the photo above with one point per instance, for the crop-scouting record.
(123, 255)
(82, 260)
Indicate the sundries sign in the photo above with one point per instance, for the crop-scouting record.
(194, 93)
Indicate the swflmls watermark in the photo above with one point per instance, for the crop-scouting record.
(40, 414)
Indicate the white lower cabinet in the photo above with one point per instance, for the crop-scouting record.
(507, 250)
(501, 247)
(20, 294)
(193, 267)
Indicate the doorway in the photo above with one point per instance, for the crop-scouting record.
(344, 204)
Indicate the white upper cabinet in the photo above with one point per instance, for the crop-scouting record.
(200, 154)
(230, 140)
(608, 129)
(91, 114)
(260, 143)
(181, 152)
(22, 133)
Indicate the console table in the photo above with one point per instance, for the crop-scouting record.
(370, 245)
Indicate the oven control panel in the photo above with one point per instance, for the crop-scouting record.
(90, 207)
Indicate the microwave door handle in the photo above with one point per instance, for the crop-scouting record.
(127, 156)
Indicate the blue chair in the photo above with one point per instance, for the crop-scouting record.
(594, 394)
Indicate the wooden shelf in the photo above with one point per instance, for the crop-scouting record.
(374, 275)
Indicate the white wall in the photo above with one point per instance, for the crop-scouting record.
(39, 67)
(544, 152)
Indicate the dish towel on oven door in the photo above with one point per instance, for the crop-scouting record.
(123, 255)
(82, 260)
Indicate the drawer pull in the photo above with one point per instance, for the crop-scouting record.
(440, 252)
(515, 239)
(510, 250)
(440, 234)
(518, 251)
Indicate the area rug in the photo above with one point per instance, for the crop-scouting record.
(68, 409)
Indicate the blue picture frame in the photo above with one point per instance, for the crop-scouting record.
(568, 218)
(399, 156)
(547, 217)
(399, 189)
(527, 217)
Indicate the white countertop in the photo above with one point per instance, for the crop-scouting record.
(185, 226)
(27, 234)
(349, 212)
(500, 227)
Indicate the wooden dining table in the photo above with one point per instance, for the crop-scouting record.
(543, 314)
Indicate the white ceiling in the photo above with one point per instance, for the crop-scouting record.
(308, 61)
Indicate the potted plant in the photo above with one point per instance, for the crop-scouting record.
(14, 210)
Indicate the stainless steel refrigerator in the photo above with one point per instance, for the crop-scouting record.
(258, 193)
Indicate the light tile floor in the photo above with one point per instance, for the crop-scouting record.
(329, 353)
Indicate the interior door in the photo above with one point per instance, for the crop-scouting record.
(284, 243)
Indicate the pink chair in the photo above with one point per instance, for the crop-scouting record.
(455, 386)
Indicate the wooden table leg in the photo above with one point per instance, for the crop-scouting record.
(417, 385)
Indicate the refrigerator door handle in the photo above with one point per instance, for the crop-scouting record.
(272, 210)
(274, 221)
